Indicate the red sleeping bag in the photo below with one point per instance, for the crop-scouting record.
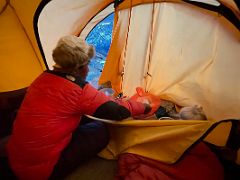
(199, 163)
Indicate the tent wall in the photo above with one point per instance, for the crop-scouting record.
(185, 54)
(57, 19)
(19, 61)
(25, 10)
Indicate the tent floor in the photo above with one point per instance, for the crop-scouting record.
(96, 169)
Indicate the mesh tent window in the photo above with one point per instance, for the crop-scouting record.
(101, 37)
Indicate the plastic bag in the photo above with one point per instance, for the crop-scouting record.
(148, 98)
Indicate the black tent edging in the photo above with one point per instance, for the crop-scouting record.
(223, 10)
(40, 7)
(233, 121)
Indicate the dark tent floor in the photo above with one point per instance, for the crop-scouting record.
(102, 169)
(96, 169)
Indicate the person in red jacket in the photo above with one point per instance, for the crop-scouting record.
(49, 139)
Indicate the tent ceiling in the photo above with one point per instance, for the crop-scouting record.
(51, 23)
(226, 6)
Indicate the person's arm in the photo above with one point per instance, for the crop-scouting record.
(97, 104)
(121, 109)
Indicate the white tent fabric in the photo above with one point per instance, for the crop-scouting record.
(97, 19)
(188, 63)
(52, 26)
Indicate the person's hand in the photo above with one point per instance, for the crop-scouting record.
(147, 98)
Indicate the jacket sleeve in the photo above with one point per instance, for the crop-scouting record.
(99, 105)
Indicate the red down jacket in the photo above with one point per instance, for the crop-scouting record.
(50, 112)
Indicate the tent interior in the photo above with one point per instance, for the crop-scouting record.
(184, 51)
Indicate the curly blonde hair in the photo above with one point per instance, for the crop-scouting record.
(72, 53)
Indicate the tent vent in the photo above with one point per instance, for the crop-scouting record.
(237, 3)
(211, 2)
(117, 2)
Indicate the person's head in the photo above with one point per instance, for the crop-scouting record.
(72, 55)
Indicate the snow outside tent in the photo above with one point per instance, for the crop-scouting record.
(184, 51)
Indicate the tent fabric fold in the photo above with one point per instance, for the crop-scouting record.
(161, 140)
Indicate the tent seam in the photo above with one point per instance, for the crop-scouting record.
(5, 6)
(26, 35)
(150, 46)
(125, 48)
